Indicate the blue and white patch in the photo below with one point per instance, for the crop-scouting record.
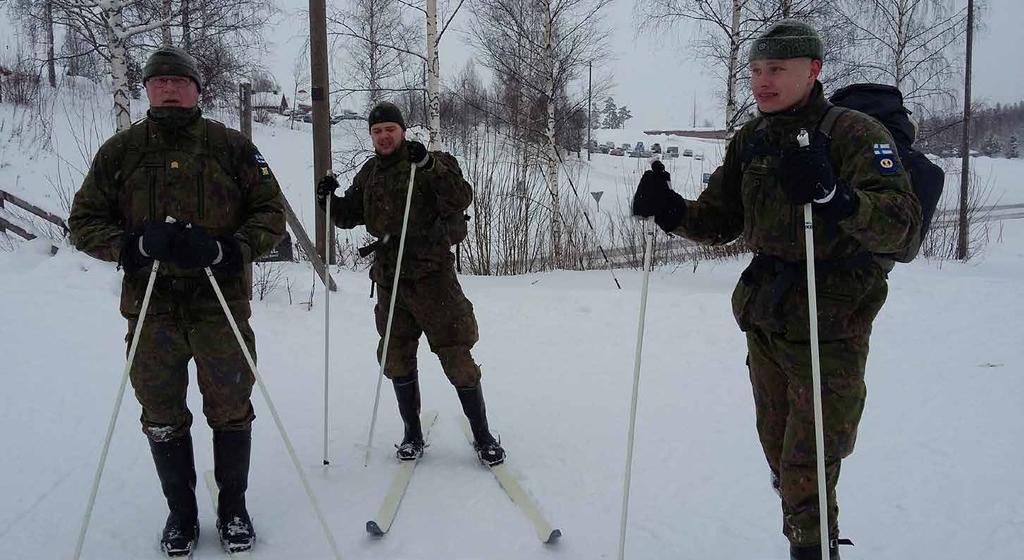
(258, 158)
(885, 160)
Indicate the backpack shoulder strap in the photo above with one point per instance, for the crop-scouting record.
(755, 145)
(829, 119)
(215, 142)
(136, 145)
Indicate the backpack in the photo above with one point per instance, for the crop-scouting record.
(885, 104)
(455, 226)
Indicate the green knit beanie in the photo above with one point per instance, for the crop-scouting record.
(171, 61)
(788, 38)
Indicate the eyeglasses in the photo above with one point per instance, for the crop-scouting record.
(169, 81)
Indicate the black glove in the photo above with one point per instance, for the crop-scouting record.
(195, 248)
(418, 153)
(839, 205)
(155, 242)
(325, 187)
(158, 238)
(806, 174)
(807, 177)
(654, 197)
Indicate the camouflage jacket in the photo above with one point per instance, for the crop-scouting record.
(744, 198)
(376, 199)
(199, 172)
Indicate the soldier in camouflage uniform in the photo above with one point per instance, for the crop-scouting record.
(177, 163)
(863, 207)
(430, 300)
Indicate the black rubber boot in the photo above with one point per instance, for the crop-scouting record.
(488, 449)
(407, 391)
(231, 452)
(176, 468)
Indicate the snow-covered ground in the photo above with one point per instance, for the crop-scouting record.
(936, 473)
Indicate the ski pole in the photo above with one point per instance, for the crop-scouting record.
(117, 406)
(328, 242)
(812, 313)
(391, 312)
(273, 412)
(649, 233)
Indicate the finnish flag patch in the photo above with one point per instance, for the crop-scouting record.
(885, 160)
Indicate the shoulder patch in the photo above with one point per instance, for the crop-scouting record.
(258, 158)
(885, 160)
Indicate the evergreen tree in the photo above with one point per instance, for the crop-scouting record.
(595, 117)
(1013, 151)
(611, 114)
(624, 115)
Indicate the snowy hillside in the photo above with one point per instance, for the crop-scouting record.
(936, 473)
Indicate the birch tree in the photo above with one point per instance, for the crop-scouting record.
(536, 48)
(384, 55)
(726, 28)
(908, 44)
(102, 24)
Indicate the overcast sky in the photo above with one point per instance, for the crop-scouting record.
(658, 77)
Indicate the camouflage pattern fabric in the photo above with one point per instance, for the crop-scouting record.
(746, 200)
(377, 199)
(159, 373)
(200, 173)
(430, 299)
(780, 375)
(197, 171)
(433, 305)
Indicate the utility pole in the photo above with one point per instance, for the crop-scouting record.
(590, 108)
(319, 96)
(245, 109)
(965, 143)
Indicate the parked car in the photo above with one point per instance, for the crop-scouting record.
(603, 149)
(626, 147)
(639, 147)
(698, 156)
(687, 153)
(307, 117)
(617, 152)
(672, 152)
(656, 148)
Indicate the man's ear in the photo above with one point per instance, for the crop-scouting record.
(815, 68)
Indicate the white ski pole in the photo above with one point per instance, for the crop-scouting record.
(273, 413)
(328, 242)
(117, 406)
(649, 233)
(391, 312)
(812, 313)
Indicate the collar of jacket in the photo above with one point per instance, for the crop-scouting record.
(399, 155)
(173, 119)
(805, 116)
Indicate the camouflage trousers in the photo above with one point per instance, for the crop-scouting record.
(780, 374)
(432, 304)
(159, 373)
